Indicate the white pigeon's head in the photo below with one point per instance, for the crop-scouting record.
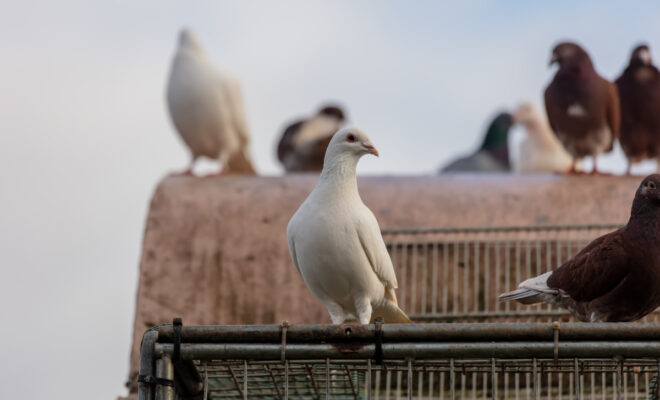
(188, 39)
(528, 116)
(350, 142)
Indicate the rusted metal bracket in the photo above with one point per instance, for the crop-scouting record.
(285, 327)
(378, 339)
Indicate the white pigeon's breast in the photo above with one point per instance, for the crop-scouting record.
(331, 258)
(198, 107)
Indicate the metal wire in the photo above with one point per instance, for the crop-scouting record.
(456, 274)
(451, 378)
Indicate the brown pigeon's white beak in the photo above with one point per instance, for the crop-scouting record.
(553, 59)
(370, 149)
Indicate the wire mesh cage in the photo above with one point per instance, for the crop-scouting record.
(421, 361)
(484, 350)
(456, 274)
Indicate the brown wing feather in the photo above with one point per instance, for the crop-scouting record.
(594, 271)
(550, 110)
(613, 111)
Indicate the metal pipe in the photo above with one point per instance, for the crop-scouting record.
(485, 229)
(147, 364)
(588, 349)
(413, 332)
(164, 370)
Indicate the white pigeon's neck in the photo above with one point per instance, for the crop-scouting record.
(339, 174)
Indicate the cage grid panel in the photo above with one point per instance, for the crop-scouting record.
(425, 379)
(456, 274)
(422, 361)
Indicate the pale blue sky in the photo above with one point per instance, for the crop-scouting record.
(84, 134)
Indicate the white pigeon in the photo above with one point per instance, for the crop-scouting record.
(207, 109)
(540, 150)
(336, 244)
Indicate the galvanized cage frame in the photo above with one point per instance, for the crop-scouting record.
(438, 360)
(492, 350)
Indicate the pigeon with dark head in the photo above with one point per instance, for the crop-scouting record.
(493, 155)
(303, 143)
(582, 107)
(616, 278)
(639, 90)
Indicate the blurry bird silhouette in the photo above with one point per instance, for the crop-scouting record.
(540, 150)
(206, 108)
(639, 91)
(582, 107)
(303, 143)
(493, 155)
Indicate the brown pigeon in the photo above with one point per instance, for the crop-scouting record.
(582, 107)
(639, 90)
(616, 278)
(303, 143)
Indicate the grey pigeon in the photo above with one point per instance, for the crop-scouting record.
(493, 155)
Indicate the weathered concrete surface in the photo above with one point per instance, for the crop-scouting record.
(215, 249)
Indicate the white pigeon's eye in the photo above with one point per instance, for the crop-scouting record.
(650, 185)
(351, 138)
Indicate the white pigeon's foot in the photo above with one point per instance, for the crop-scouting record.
(336, 312)
(185, 172)
(364, 310)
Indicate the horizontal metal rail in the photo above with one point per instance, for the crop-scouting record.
(484, 229)
(477, 315)
(265, 351)
(437, 332)
(440, 360)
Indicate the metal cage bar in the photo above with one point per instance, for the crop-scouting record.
(446, 361)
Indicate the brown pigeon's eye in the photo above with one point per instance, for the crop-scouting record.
(351, 138)
(650, 185)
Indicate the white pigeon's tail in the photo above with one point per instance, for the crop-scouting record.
(391, 314)
(531, 291)
(524, 296)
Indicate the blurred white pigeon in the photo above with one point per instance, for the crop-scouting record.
(207, 109)
(540, 150)
(336, 244)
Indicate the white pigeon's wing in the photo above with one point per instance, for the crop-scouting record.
(237, 109)
(374, 246)
(292, 250)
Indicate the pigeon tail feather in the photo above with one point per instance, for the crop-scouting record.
(533, 290)
(391, 314)
(239, 163)
(524, 296)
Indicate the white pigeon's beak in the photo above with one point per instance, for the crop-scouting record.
(369, 148)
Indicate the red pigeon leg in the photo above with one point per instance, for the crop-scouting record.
(573, 170)
(595, 171)
(223, 171)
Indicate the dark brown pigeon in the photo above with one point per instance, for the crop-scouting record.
(582, 107)
(303, 143)
(639, 91)
(616, 277)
